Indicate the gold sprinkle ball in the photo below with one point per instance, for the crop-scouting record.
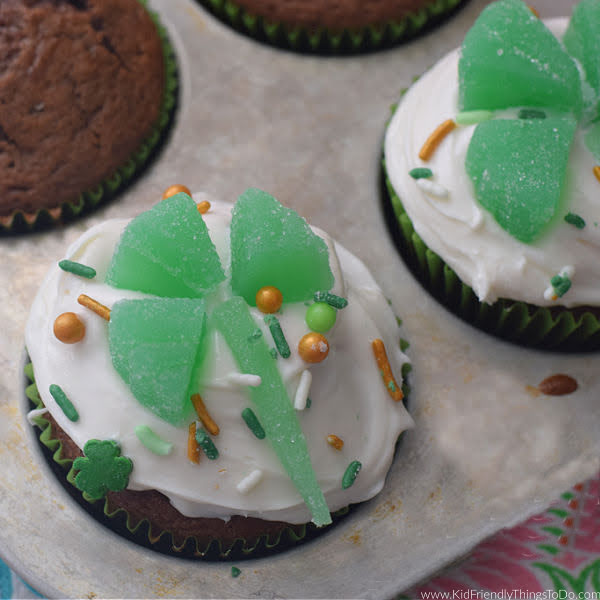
(268, 299)
(69, 328)
(313, 347)
(203, 207)
(176, 189)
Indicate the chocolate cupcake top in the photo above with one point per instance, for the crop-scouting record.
(81, 85)
(335, 15)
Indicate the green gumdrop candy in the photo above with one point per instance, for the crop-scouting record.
(510, 59)
(582, 39)
(167, 251)
(156, 347)
(592, 141)
(273, 406)
(273, 245)
(518, 168)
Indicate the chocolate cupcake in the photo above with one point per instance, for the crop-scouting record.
(233, 392)
(490, 160)
(86, 94)
(332, 27)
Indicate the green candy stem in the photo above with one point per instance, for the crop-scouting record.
(273, 405)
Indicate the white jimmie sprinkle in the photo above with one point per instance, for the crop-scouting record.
(249, 482)
(433, 188)
(303, 390)
(244, 379)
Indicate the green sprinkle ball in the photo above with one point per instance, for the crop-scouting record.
(320, 317)
(64, 403)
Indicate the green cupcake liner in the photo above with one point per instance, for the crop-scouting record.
(323, 41)
(556, 328)
(20, 222)
(141, 531)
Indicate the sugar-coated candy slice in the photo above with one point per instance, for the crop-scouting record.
(273, 246)
(582, 39)
(511, 59)
(156, 346)
(518, 168)
(167, 251)
(274, 408)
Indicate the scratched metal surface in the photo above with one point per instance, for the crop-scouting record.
(485, 453)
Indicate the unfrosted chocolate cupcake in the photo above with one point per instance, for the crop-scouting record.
(86, 91)
(332, 26)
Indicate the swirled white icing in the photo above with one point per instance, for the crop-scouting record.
(461, 231)
(348, 395)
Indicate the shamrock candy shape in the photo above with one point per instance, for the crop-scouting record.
(510, 60)
(102, 469)
(157, 344)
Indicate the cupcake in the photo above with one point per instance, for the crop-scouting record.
(86, 93)
(330, 27)
(491, 164)
(226, 382)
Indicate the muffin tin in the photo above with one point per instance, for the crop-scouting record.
(487, 452)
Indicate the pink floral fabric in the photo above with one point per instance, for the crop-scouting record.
(552, 555)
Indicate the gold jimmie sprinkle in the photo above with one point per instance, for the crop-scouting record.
(94, 306)
(434, 140)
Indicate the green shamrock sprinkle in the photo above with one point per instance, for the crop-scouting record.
(102, 469)
(235, 572)
(561, 284)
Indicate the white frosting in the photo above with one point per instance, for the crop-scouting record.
(348, 396)
(463, 233)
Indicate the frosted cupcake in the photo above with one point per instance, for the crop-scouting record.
(228, 377)
(491, 159)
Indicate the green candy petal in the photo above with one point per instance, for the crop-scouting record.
(518, 169)
(510, 59)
